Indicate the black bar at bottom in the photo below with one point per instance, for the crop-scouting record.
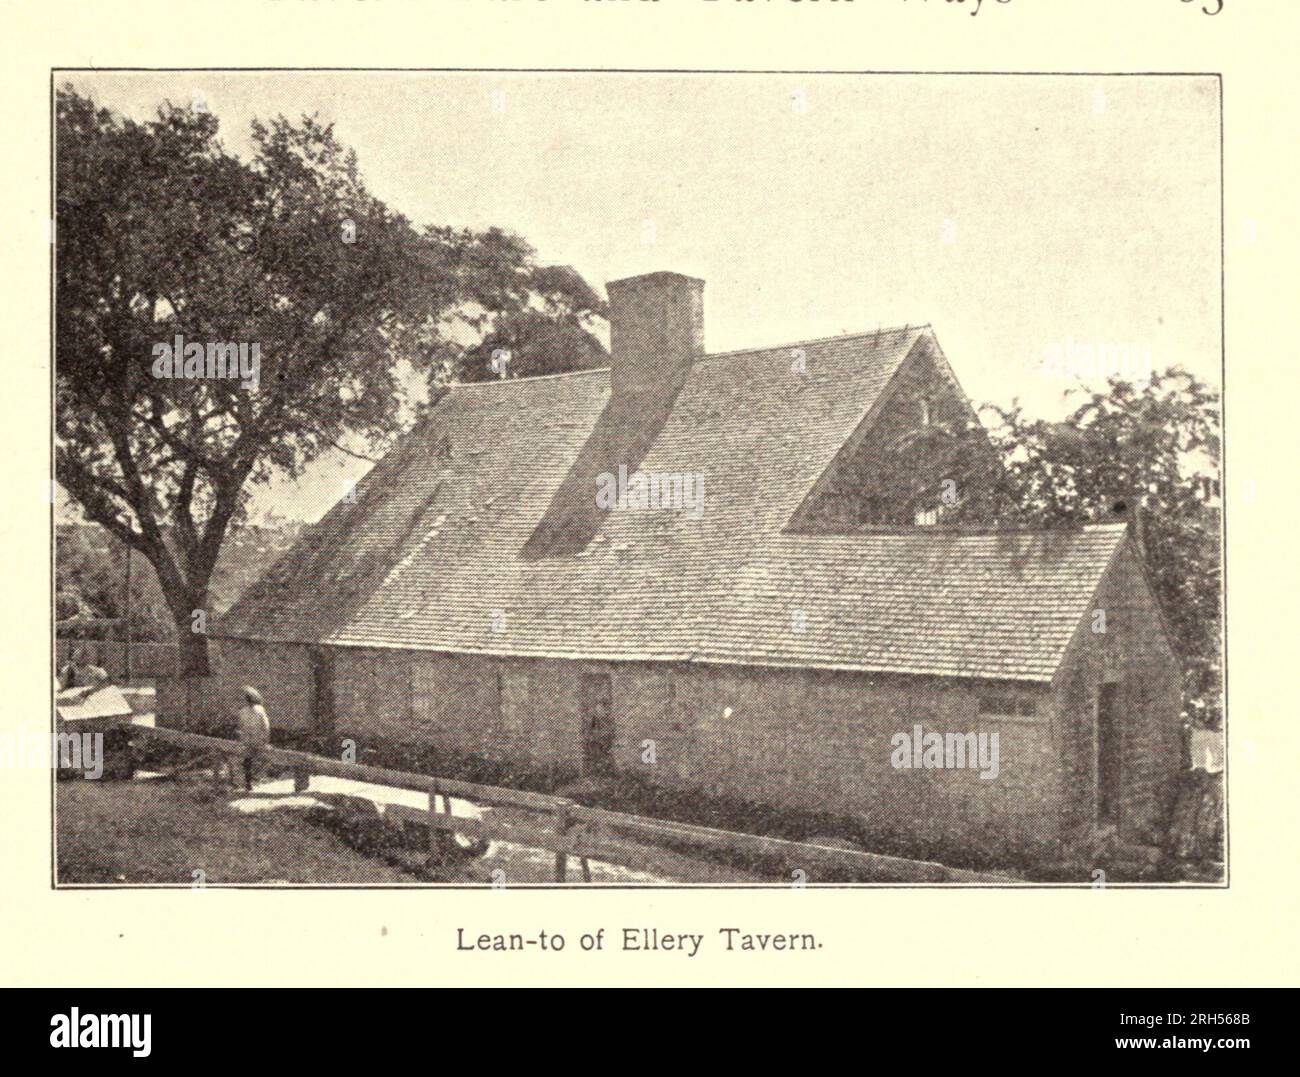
(335, 1025)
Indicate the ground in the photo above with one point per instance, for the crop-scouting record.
(159, 829)
(165, 831)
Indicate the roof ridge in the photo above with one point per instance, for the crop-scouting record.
(491, 382)
(956, 530)
(881, 331)
(862, 335)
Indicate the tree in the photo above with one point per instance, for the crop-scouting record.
(285, 261)
(1149, 454)
(553, 334)
(90, 590)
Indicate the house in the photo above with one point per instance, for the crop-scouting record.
(681, 567)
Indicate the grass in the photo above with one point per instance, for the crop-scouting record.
(163, 831)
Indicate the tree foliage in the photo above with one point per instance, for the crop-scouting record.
(90, 596)
(556, 333)
(161, 231)
(1142, 452)
(1147, 453)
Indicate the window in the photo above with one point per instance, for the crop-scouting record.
(1009, 705)
(925, 411)
(927, 513)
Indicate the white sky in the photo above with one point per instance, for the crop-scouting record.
(1017, 214)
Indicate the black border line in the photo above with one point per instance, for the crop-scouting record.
(593, 888)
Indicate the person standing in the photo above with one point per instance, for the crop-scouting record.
(254, 731)
(80, 672)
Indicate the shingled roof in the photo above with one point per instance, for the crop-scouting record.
(430, 555)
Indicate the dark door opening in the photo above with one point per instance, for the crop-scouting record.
(1109, 762)
(597, 723)
(322, 690)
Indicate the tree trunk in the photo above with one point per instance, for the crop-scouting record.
(191, 650)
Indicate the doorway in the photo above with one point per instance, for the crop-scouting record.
(1109, 759)
(322, 691)
(597, 723)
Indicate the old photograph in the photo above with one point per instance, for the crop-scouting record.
(471, 478)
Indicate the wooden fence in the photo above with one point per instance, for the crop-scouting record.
(568, 829)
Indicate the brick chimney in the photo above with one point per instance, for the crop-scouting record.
(656, 330)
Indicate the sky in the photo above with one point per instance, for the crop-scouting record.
(1050, 229)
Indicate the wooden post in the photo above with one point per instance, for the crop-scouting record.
(126, 616)
(561, 859)
(128, 755)
(586, 869)
(301, 779)
(434, 859)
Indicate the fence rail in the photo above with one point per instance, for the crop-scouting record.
(574, 830)
(146, 659)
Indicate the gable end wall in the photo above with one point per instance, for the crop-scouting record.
(840, 499)
(1134, 652)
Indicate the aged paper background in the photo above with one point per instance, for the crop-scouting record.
(1246, 934)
